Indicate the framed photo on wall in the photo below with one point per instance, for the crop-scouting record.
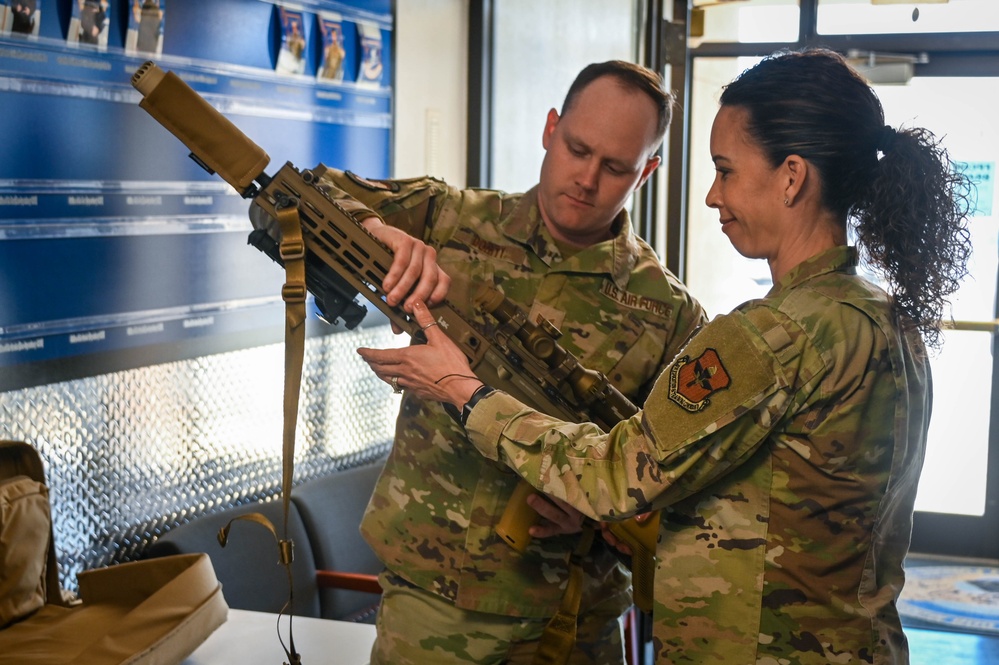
(291, 54)
(20, 17)
(145, 26)
(89, 23)
(332, 59)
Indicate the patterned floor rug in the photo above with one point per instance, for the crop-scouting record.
(963, 598)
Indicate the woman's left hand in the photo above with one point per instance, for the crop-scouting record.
(437, 370)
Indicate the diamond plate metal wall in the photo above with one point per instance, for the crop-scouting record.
(132, 453)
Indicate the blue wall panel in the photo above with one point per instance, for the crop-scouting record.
(111, 238)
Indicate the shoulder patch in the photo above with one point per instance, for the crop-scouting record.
(691, 400)
(692, 382)
(373, 185)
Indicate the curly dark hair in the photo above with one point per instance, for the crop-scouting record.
(911, 224)
(909, 207)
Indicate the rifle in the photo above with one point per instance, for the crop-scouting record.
(344, 260)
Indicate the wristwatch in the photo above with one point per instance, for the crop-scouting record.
(461, 417)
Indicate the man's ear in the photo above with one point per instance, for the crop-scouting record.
(794, 172)
(650, 166)
(550, 122)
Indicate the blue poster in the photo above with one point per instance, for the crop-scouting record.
(331, 63)
(145, 27)
(113, 242)
(291, 56)
(20, 17)
(89, 23)
(370, 70)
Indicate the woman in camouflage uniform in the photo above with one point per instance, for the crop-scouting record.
(785, 442)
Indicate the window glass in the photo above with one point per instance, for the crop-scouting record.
(954, 474)
(865, 17)
(955, 469)
(539, 47)
(748, 21)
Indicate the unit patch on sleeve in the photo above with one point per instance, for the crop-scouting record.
(692, 382)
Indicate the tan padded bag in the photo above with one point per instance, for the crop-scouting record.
(153, 612)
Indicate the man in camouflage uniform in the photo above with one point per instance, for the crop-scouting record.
(454, 591)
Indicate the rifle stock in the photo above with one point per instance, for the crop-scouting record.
(343, 260)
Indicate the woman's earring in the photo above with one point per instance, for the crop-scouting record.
(786, 202)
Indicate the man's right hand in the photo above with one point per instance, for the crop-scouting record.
(616, 542)
(414, 274)
(557, 517)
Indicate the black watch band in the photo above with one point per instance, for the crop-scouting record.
(466, 410)
(461, 417)
(451, 410)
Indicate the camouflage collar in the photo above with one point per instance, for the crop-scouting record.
(838, 259)
(615, 257)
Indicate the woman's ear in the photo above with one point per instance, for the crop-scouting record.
(794, 172)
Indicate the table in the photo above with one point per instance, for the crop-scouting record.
(251, 638)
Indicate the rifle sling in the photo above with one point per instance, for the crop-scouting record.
(293, 254)
(559, 635)
(293, 292)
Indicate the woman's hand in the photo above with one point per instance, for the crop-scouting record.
(437, 370)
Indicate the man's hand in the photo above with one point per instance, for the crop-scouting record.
(557, 517)
(414, 274)
(617, 543)
(613, 541)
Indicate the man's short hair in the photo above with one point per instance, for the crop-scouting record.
(632, 76)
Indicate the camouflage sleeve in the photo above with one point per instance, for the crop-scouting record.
(709, 412)
(409, 205)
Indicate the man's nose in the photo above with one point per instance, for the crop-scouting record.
(589, 174)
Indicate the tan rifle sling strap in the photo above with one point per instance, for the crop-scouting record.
(292, 250)
(559, 635)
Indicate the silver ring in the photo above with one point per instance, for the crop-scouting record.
(395, 385)
(430, 325)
